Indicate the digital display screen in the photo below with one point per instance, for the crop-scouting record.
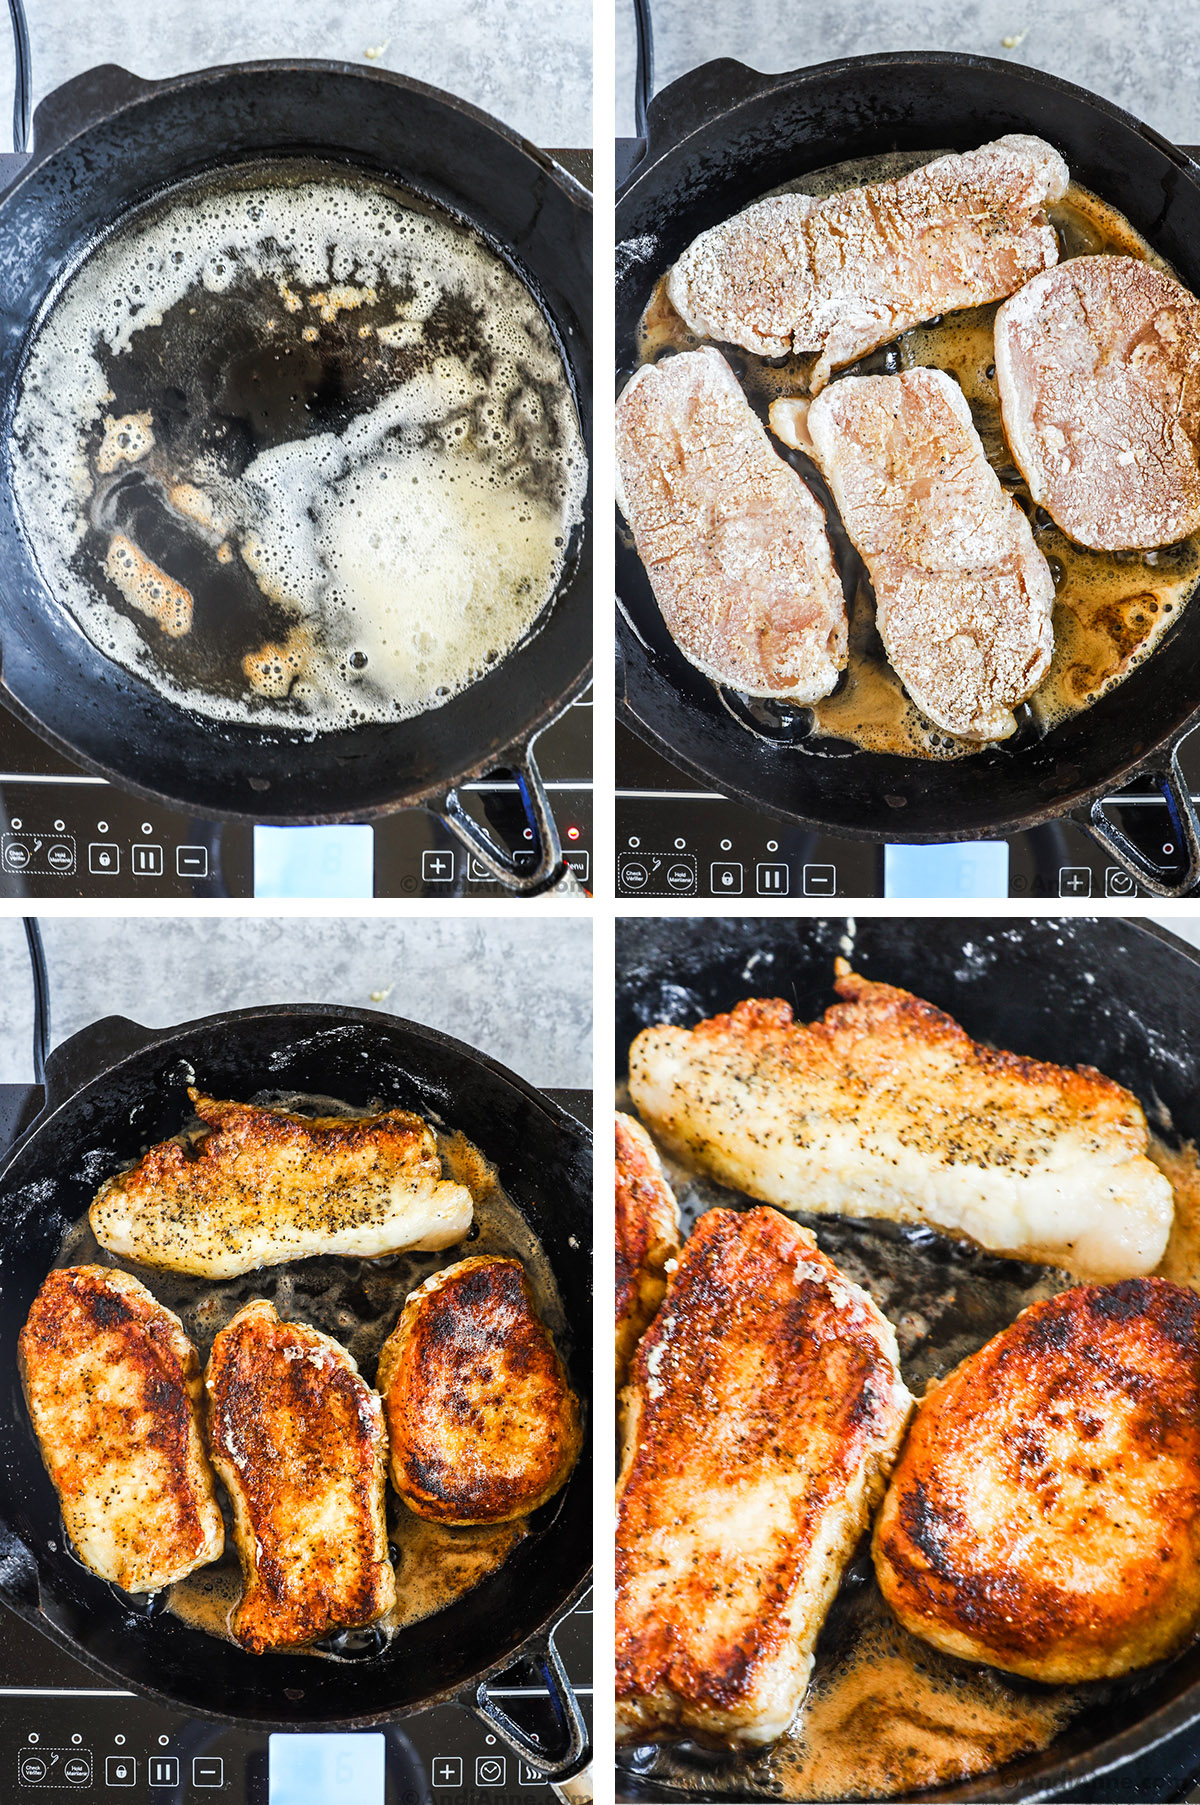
(971, 868)
(327, 1770)
(314, 861)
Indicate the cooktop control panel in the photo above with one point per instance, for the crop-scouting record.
(676, 839)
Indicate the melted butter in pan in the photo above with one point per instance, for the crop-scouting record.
(1111, 608)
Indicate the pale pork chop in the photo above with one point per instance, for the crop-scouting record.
(764, 1411)
(1098, 366)
(963, 596)
(298, 1438)
(1044, 1516)
(888, 1108)
(258, 1187)
(113, 1388)
(734, 544)
(843, 275)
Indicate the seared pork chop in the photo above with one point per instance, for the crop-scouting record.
(113, 1388)
(1098, 366)
(843, 275)
(763, 1414)
(1044, 1515)
(257, 1187)
(888, 1108)
(483, 1424)
(734, 544)
(963, 596)
(298, 1439)
(647, 1233)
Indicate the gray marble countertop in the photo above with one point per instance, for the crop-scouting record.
(1145, 58)
(520, 991)
(527, 62)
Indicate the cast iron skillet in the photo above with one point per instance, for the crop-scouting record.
(717, 139)
(113, 1089)
(1115, 994)
(107, 141)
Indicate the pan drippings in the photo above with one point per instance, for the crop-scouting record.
(357, 1302)
(1111, 608)
(886, 1714)
(298, 449)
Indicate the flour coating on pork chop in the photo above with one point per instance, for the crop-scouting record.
(1098, 366)
(734, 544)
(843, 275)
(963, 596)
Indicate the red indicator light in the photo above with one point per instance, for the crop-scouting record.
(572, 833)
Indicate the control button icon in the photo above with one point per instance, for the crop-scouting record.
(78, 1770)
(773, 880)
(529, 1776)
(120, 1770)
(164, 1770)
(1074, 880)
(104, 858)
(1118, 882)
(681, 876)
(437, 867)
(191, 861)
(578, 862)
(32, 1769)
(447, 1770)
(146, 860)
(633, 873)
(208, 1770)
(490, 1770)
(477, 871)
(726, 880)
(17, 855)
(60, 855)
(820, 880)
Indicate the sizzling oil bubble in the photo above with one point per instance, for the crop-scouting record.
(326, 412)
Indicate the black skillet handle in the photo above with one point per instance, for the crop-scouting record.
(92, 1051)
(547, 869)
(1184, 821)
(22, 77)
(569, 1774)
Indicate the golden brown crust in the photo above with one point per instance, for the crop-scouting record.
(763, 1411)
(482, 1421)
(647, 1235)
(113, 1384)
(298, 1439)
(1044, 1515)
(260, 1186)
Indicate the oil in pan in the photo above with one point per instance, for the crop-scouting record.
(298, 448)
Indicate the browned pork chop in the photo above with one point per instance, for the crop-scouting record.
(963, 596)
(647, 1235)
(734, 544)
(843, 275)
(1098, 365)
(764, 1411)
(1045, 1513)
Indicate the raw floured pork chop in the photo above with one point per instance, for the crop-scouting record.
(963, 595)
(1098, 366)
(764, 1411)
(888, 1108)
(843, 275)
(734, 544)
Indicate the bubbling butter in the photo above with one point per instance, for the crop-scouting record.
(392, 544)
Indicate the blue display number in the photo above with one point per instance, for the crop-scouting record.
(314, 861)
(327, 1770)
(969, 868)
